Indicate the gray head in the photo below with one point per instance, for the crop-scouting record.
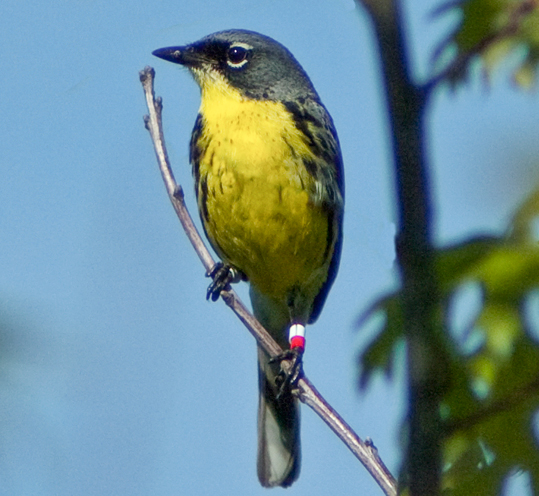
(256, 65)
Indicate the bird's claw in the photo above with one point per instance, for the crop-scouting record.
(222, 276)
(286, 380)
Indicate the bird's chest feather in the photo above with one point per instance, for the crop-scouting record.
(254, 192)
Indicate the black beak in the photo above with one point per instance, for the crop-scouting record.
(172, 54)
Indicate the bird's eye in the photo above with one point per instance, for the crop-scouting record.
(237, 56)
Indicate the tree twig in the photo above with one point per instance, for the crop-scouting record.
(500, 406)
(461, 62)
(365, 452)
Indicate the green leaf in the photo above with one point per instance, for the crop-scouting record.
(492, 31)
(492, 398)
(380, 354)
(489, 442)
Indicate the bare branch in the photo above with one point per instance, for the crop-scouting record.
(154, 125)
(365, 452)
(426, 361)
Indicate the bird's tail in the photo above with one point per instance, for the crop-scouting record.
(278, 429)
(278, 419)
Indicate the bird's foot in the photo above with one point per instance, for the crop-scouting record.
(287, 379)
(223, 275)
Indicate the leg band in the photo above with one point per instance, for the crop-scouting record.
(296, 336)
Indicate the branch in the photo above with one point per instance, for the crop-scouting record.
(426, 360)
(364, 451)
(458, 66)
(499, 406)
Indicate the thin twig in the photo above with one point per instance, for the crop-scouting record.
(457, 67)
(365, 452)
(499, 406)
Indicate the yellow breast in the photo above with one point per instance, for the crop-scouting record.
(256, 193)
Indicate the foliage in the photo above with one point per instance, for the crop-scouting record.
(478, 405)
(491, 400)
(492, 30)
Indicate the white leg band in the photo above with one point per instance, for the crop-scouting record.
(296, 330)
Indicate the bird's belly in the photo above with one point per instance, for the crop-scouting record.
(261, 220)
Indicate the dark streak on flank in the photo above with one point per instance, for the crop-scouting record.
(203, 200)
(194, 150)
(301, 118)
(312, 167)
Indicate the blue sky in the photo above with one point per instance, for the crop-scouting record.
(116, 376)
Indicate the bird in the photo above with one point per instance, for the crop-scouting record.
(269, 183)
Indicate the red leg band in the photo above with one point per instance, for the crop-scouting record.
(297, 342)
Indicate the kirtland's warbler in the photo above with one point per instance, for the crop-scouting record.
(270, 188)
